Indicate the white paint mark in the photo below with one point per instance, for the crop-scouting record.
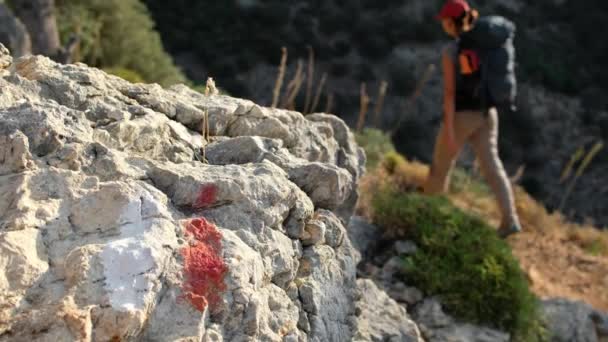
(133, 262)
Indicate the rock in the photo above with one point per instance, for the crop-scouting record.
(15, 153)
(406, 247)
(391, 268)
(574, 321)
(326, 303)
(405, 294)
(314, 233)
(334, 230)
(380, 318)
(241, 150)
(327, 185)
(119, 115)
(5, 57)
(24, 260)
(435, 325)
(113, 228)
(363, 235)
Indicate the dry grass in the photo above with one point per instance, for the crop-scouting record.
(276, 94)
(318, 93)
(293, 88)
(210, 89)
(309, 79)
(380, 103)
(393, 170)
(364, 105)
(330, 103)
(579, 173)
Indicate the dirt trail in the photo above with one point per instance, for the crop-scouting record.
(558, 268)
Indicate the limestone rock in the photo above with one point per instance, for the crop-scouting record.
(406, 247)
(406, 294)
(363, 235)
(380, 318)
(327, 289)
(5, 57)
(114, 227)
(435, 325)
(15, 153)
(574, 321)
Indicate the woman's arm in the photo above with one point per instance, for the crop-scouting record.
(449, 89)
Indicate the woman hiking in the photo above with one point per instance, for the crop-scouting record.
(469, 105)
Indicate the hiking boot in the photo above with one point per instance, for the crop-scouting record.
(506, 232)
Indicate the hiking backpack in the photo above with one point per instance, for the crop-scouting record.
(492, 38)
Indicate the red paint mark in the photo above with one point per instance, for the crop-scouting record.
(206, 196)
(204, 268)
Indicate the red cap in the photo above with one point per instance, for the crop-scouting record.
(453, 9)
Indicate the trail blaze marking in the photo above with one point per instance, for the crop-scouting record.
(204, 268)
(207, 196)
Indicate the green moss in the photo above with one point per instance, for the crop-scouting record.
(462, 261)
(376, 144)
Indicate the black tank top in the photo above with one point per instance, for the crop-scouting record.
(468, 76)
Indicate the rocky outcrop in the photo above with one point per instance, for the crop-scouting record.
(574, 321)
(119, 221)
(435, 325)
(5, 57)
(380, 318)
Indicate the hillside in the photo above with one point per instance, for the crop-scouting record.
(141, 213)
(561, 68)
(561, 259)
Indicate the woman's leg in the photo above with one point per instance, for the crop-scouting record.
(485, 144)
(438, 180)
(465, 124)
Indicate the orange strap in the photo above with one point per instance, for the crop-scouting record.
(469, 62)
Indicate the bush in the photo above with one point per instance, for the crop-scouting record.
(392, 162)
(117, 34)
(376, 144)
(462, 261)
(125, 74)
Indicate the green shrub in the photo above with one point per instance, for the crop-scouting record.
(125, 74)
(462, 261)
(376, 144)
(117, 34)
